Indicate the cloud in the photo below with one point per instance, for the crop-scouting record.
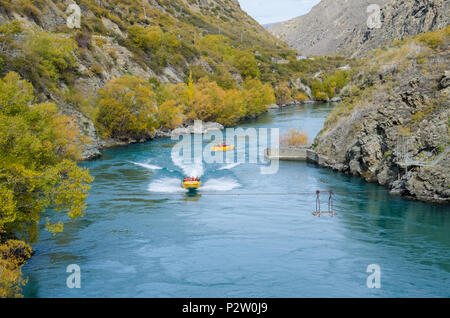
(269, 11)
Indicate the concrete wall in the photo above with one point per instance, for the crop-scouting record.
(295, 154)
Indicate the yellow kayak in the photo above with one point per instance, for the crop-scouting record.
(191, 184)
(227, 148)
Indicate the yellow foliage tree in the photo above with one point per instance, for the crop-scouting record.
(301, 97)
(126, 108)
(169, 115)
(294, 138)
(37, 172)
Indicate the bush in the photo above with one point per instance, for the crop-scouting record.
(432, 39)
(10, 28)
(321, 96)
(97, 70)
(294, 138)
(283, 94)
(13, 254)
(301, 97)
(247, 65)
(83, 39)
(53, 54)
(37, 164)
(169, 115)
(126, 108)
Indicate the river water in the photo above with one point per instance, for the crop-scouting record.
(242, 234)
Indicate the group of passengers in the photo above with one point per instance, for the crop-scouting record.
(190, 179)
(222, 145)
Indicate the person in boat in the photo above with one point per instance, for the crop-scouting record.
(224, 144)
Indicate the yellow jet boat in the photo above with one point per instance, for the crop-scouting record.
(220, 148)
(191, 185)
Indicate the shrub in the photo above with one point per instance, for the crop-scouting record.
(247, 65)
(37, 167)
(321, 96)
(126, 108)
(432, 39)
(294, 138)
(13, 254)
(169, 115)
(52, 53)
(97, 70)
(83, 39)
(301, 97)
(283, 94)
(10, 28)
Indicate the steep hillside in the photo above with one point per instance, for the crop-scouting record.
(341, 26)
(393, 127)
(164, 41)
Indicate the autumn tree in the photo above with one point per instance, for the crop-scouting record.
(283, 94)
(37, 166)
(38, 172)
(247, 65)
(294, 138)
(169, 115)
(257, 96)
(126, 108)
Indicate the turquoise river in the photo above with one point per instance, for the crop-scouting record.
(244, 234)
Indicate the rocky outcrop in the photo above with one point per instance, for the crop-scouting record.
(202, 128)
(351, 27)
(396, 130)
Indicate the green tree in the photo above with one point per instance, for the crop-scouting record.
(37, 162)
(246, 64)
(52, 53)
(257, 96)
(126, 108)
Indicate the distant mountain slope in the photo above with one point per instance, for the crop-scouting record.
(340, 26)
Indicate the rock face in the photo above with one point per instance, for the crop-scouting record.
(396, 131)
(350, 27)
(193, 129)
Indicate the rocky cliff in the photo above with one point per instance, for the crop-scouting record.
(354, 27)
(101, 31)
(393, 127)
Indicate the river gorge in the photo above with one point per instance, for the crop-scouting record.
(244, 234)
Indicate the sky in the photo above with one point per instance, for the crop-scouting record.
(270, 11)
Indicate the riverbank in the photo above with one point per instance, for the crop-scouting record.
(91, 152)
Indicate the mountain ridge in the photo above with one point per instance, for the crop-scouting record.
(341, 26)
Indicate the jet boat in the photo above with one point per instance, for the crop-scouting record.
(222, 148)
(191, 183)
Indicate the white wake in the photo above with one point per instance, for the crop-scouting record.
(221, 184)
(146, 165)
(166, 185)
(190, 167)
(229, 166)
